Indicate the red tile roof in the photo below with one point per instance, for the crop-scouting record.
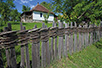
(41, 9)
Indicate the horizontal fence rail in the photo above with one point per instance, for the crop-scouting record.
(48, 44)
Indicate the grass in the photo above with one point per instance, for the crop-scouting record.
(90, 57)
(16, 25)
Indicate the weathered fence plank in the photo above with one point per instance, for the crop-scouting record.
(66, 40)
(22, 65)
(12, 51)
(75, 38)
(45, 47)
(34, 36)
(60, 44)
(27, 52)
(7, 51)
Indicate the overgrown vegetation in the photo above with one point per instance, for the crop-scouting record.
(90, 57)
(79, 10)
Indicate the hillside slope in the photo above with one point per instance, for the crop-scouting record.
(90, 57)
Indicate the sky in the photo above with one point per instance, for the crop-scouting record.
(29, 3)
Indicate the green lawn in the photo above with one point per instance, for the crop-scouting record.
(90, 57)
(16, 25)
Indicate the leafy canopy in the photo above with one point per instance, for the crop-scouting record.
(79, 10)
(25, 8)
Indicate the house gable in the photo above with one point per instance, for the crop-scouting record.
(37, 14)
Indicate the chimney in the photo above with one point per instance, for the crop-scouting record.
(38, 3)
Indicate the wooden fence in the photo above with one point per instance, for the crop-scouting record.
(64, 39)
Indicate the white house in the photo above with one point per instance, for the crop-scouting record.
(36, 14)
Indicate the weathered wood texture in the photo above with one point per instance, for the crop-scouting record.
(64, 40)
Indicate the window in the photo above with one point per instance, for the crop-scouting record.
(40, 14)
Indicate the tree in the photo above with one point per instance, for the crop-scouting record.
(79, 10)
(90, 10)
(5, 8)
(14, 15)
(25, 8)
(47, 5)
(46, 16)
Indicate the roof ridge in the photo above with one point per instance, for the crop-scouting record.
(41, 6)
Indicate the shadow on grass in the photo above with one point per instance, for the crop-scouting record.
(99, 44)
(15, 23)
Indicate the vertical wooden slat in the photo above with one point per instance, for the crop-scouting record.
(35, 53)
(60, 44)
(75, 39)
(22, 65)
(43, 51)
(52, 45)
(52, 51)
(1, 60)
(45, 56)
(71, 39)
(55, 46)
(12, 52)
(38, 47)
(7, 52)
(85, 37)
(79, 40)
(70, 46)
(13, 58)
(34, 60)
(66, 40)
(27, 54)
(82, 38)
(47, 51)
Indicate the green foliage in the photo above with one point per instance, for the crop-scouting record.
(25, 8)
(47, 5)
(7, 11)
(79, 10)
(99, 44)
(46, 16)
(15, 15)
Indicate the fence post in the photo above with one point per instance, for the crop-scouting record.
(87, 35)
(66, 40)
(71, 40)
(75, 37)
(90, 34)
(27, 53)
(22, 65)
(45, 54)
(56, 49)
(79, 39)
(52, 44)
(82, 38)
(7, 52)
(60, 44)
(35, 38)
(12, 51)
